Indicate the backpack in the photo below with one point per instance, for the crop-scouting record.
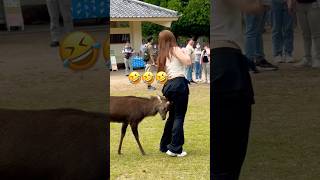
(127, 52)
(205, 57)
(306, 1)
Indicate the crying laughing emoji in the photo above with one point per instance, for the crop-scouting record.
(79, 51)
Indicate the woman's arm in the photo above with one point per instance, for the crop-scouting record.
(181, 56)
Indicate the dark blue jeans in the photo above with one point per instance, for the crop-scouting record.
(197, 68)
(177, 92)
(254, 41)
(282, 29)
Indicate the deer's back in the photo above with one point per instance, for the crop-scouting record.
(127, 108)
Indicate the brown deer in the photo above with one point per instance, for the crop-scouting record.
(53, 144)
(131, 110)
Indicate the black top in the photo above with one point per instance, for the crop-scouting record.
(306, 1)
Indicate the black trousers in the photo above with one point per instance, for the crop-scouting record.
(177, 92)
(231, 98)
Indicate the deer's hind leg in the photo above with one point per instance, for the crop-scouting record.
(134, 128)
(123, 133)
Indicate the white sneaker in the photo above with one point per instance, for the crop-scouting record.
(303, 63)
(182, 154)
(316, 64)
(278, 59)
(289, 59)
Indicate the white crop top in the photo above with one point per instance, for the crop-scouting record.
(174, 68)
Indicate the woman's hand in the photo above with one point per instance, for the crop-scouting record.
(182, 56)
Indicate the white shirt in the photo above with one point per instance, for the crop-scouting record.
(174, 68)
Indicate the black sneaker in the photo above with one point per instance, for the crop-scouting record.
(264, 64)
(151, 88)
(54, 44)
(192, 81)
(252, 66)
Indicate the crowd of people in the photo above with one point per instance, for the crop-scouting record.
(200, 57)
(282, 16)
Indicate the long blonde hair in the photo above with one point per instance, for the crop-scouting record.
(167, 42)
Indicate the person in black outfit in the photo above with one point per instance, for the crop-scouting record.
(231, 92)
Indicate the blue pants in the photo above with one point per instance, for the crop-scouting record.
(282, 29)
(197, 68)
(253, 35)
(189, 73)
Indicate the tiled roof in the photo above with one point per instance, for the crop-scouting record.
(138, 9)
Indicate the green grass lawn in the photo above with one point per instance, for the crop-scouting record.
(285, 129)
(156, 165)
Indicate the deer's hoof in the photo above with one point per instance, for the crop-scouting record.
(119, 153)
(143, 153)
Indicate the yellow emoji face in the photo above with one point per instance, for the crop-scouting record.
(79, 51)
(148, 78)
(162, 77)
(134, 77)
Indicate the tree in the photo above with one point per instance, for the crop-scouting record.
(195, 19)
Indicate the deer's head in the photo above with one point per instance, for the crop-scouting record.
(162, 106)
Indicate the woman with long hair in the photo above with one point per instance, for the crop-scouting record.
(173, 60)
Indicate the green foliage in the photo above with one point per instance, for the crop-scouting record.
(195, 19)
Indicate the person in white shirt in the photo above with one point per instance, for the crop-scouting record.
(197, 63)
(143, 48)
(205, 63)
(127, 51)
(190, 51)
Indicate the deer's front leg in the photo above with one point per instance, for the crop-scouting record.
(123, 133)
(134, 128)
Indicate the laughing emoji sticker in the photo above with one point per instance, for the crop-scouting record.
(162, 77)
(134, 77)
(79, 51)
(148, 78)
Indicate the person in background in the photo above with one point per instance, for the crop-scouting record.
(254, 41)
(173, 60)
(231, 95)
(127, 51)
(197, 65)
(149, 59)
(142, 48)
(55, 8)
(190, 51)
(205, 63)
(282, 32)
(308, 13)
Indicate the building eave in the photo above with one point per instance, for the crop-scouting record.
(148, 19)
